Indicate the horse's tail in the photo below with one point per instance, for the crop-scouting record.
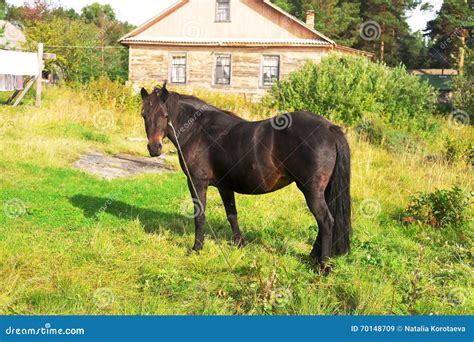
(338, 195)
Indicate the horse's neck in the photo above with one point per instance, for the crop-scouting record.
(189, 119)
(183, 124)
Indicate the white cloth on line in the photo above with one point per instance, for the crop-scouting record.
(19, 63)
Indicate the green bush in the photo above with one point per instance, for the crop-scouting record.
(345, 88)
(458, 151)
(112, 93)
(378, 132)
(463, 87)
(439, 209)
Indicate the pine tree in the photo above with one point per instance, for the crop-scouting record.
(387, 21)
(450, 33)
(378, 26)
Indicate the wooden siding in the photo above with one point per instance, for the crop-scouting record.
(150, 65)
(249, 19)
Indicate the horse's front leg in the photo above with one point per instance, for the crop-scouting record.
(199, 195)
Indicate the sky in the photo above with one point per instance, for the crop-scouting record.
(139, 11)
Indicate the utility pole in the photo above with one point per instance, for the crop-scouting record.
(39, 79)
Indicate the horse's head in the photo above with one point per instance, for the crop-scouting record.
(155, 114)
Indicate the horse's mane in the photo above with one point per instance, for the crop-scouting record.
(196, 102)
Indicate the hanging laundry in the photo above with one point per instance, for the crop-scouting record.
(19, 63)
(11, 82)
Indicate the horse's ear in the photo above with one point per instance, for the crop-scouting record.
(164, 92)
(144, 93)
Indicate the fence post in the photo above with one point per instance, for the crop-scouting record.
(39, 79)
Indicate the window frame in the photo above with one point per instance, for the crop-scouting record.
(217, 17)
(214, 70)
(172, 55)
(263, 67)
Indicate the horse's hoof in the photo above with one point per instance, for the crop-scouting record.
(193, 251)
(326, 270)
(239, 242)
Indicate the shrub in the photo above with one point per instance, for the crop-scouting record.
(439, 209)
(112, 93)
(463, 87)
(380, 133)
(344, 88)
(458, 151)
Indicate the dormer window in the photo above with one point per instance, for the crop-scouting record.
(222, 11)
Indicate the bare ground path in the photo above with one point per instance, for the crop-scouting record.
(120, 165)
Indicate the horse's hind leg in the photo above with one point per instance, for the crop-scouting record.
(228, 198)
(317, 204)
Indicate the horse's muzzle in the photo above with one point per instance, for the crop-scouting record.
(155, 149)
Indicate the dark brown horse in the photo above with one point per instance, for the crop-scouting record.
(217, 148)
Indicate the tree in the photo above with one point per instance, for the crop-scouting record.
(387, 21)
(74, 43)
(414, 51)
(449, 32)
(378, 26)
(338, 19)
(98, 14)
(85, 44)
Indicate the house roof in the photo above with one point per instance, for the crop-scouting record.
(128, 37)
(225, 42)
(435, 72)
(439, 82)
(320, 39)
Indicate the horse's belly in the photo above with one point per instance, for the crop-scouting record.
(251, 184)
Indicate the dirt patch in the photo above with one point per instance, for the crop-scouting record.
(121, 165)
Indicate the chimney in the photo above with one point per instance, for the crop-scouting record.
(310, 18)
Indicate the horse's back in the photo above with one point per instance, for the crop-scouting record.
(264, 156)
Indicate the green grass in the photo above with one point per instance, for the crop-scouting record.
(88, 246)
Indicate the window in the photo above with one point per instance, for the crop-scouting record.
(178, 69)
(270, 70)
(223, 69)
(222, 10)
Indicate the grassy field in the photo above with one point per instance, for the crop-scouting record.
(71, 243)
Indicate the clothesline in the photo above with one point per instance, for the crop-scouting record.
(84, 47)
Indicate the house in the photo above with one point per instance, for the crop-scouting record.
(234, 46)
(441, 80)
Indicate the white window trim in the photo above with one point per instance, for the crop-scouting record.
(262, 64)
(214, 70)
(230, 13)
(170, 67)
